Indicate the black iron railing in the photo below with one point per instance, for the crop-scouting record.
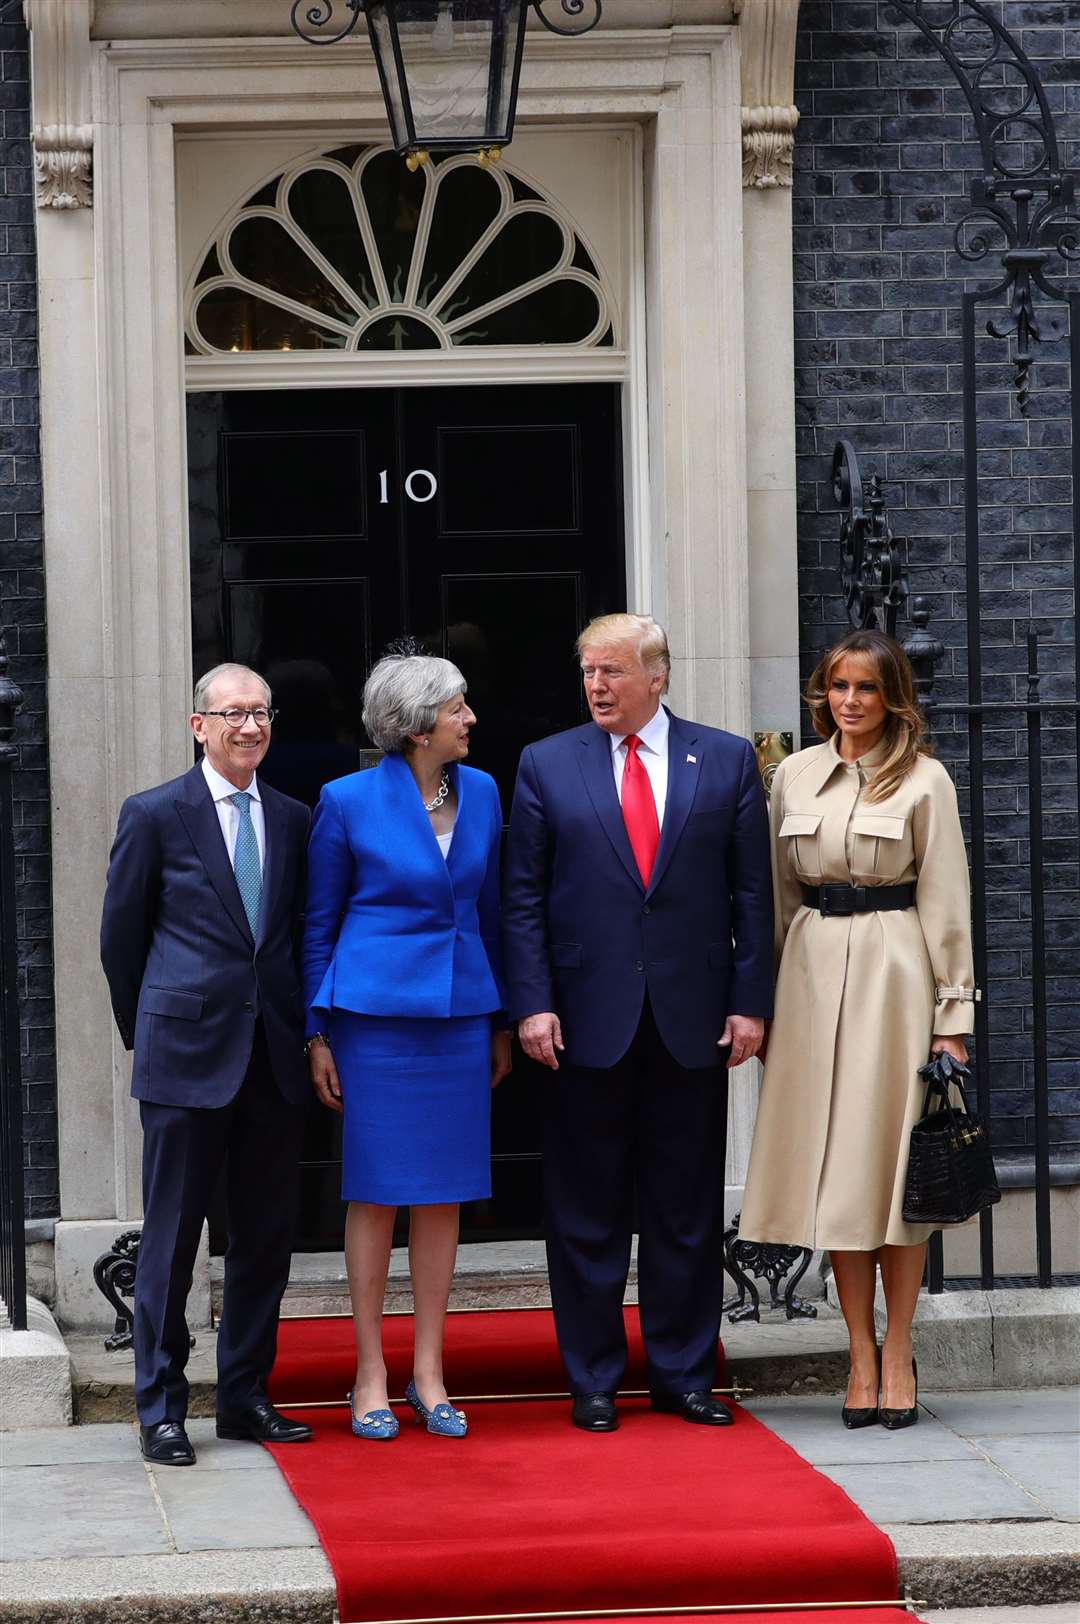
(1021, 223)
(875, 587)
(12, 1231)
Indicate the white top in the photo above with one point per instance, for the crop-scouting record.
(229, 816)
(653, 756)
(444, 842)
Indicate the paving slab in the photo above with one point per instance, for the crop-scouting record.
(1050, 1409)
(1056, 1613)
(1047, 1466)
(813, 1427)
(226, 1454)
(941, 1491)
(95, 1508)
(63, 1446)
(205, 1511)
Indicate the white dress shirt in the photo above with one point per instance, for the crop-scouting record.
(229, 816)
(653, 756)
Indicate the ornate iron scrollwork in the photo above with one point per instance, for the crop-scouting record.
(114, 1273)
(310, 17)
(1022, 197)
(743, 1259)
(874, 583)
(319, 14)
(590, 10)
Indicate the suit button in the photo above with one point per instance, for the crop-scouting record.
(250, 1008)
(646, 909)
(640, 965)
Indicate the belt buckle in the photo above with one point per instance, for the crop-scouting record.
(835, 910)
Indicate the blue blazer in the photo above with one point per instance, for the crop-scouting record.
(186, 976)
(393, 927)
(582, 935)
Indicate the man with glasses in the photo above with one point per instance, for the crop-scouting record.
(198, 941)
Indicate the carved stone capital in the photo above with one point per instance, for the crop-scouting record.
(60, 72)
(767, 30)
(768, 145)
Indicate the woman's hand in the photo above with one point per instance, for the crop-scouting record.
(500, 1057)
(324, 1077)
(956, 1047)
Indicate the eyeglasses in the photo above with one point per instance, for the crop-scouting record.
(235, 717)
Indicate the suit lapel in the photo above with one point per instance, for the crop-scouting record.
(685, 753)
(275, 823)
(199, 817)
(599, 778)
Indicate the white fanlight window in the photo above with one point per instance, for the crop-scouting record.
(350, 251)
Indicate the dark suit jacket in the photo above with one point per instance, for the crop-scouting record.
(186, 977)
(584, 938)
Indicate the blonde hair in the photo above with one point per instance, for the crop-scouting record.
(648, 634)
(905, 729)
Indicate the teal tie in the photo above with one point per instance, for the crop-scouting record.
(246, 863)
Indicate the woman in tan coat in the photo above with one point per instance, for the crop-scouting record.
(874, 945)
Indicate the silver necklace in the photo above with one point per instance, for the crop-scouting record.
(444, 790)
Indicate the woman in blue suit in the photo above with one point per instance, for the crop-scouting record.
(402, 983)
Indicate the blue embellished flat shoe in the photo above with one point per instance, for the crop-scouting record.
(376, 1424)
(443, 1421)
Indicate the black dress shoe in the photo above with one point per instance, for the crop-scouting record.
(594, 1412)
(260, 1423)
(854, 1419)
(165, 1443)
(699, 1406)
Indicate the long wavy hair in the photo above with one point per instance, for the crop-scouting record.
(905, 730)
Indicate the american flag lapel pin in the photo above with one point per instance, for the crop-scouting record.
(692, 759)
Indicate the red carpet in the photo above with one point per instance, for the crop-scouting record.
(529, 1515)
(510, 1351)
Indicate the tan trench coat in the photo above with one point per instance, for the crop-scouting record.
(858, 1000)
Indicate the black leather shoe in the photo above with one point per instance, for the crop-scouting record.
(594, 1412)
(260, 1423)
(165, 1443)
(699, 1406)
(854, 1419)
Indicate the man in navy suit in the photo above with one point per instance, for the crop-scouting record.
(199, 940)
(639, 960)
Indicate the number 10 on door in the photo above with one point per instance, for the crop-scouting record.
(422, 493)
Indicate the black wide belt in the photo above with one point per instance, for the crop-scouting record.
(842, 900)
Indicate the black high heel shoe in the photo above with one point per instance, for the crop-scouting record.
(854, 1419)
(895, 1419)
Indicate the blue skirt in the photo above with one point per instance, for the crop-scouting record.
(417, 1099)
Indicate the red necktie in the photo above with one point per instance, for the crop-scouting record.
(639, 811)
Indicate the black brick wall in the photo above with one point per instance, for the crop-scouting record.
(884, 156)
(22, 616)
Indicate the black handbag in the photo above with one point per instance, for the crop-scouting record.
(950, 1174)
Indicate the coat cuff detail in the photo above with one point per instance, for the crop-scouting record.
(963, 995)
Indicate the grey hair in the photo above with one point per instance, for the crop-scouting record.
(201, 699)
(404, 695)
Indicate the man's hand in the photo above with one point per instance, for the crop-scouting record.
(500, 1057)
(324, 1077)
(745, 1034)
(540, 1036)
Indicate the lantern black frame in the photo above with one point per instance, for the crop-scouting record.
(310, 17)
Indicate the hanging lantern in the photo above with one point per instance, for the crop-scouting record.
(448, 68)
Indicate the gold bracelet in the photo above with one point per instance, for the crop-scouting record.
(316, 1037)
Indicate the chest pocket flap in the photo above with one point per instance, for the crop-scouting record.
(800, 823)
(879, 824)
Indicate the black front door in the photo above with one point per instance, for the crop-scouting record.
(486, 522)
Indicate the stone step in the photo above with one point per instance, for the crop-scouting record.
(1012, 1569)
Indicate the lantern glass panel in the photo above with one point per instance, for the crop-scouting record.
(449, 69)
